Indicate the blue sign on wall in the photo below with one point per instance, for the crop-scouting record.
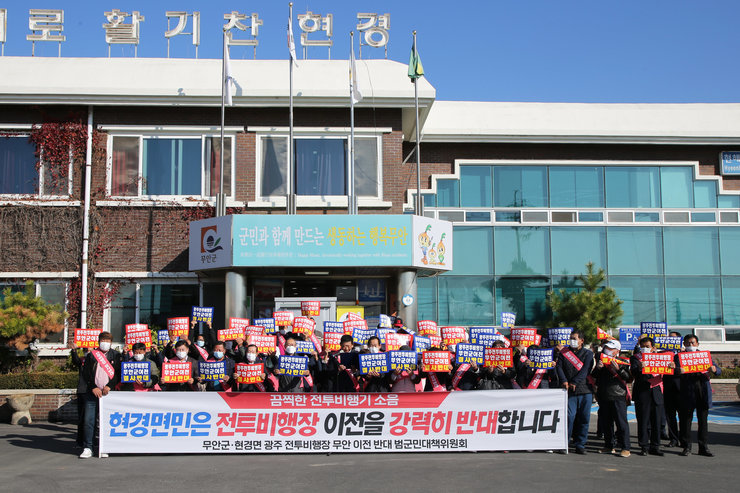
(730, 163)
(629, 337)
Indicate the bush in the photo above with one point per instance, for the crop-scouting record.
(731, 373)
(39, 380)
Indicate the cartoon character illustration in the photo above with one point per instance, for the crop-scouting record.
(441, 250)
(432, 256)
(425, 241)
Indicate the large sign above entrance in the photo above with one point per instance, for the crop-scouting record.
(251, 240)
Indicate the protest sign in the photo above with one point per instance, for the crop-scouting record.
(202, 314)
(475, 331)
(373, 363)
(469, 353)
(652, 329)
(87, 338)
(695, 362)
(163, 337)
(453, 335)
(253, 330)
(136, 333)
(435, 361)
(384, 321)
(524, 337)
(657, 363)
(332, 341)
(176, 371)
(360, 336)
(498, 357)
(402, 360)
(394, 342)
(311, 308)
(670, 343)
(541, 359)
(602, 334)
(508, 319)
(559, 336)
(249, 373)
(488, 340)
(265, 343)
(607, 360)
(294, 366)
(421, 343)
(210, 371)
(333, 326)
(304, 347)
(381, 332)
(350, 325)
(136, 371)
(426, 327)
(283, 318)
(178, 327)
(304, 325)
(354, 316)
(267, 324)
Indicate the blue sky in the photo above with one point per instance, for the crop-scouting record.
(494, 50)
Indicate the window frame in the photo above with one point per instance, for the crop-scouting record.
(23, 131)
(323, 133)
(194, 134)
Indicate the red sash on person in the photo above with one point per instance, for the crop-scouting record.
(281, 345)
(352, 377)
(655, 380)
(578, 364)
(436, 386)
(203, 353)
(140, 388)
(536, 379)
(308, 380)
(621, 380)
(104, 363)
(316, 343)
(459, 374)
(275, 382)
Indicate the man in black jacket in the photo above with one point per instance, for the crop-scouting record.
(611, 384)
(101, 372)
(648, 395)
(574, 368)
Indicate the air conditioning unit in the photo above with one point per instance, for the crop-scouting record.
(710, 334)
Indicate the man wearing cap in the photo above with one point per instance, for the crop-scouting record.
(611, 384)
(648, 395)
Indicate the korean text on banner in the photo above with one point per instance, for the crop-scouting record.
(87, 338)
(394, 342)
(559, 336)
(453, 335)
(332, 341)
(283, 318)
(436, 361)
(203, 314)
(304, 347)
(253, 330)
(350, 325)
(373, 362)
(426, 327)
(525, 337)
(695, 362)
(402, 360)
(333, 326)
(422, 344)
(303, 325)
(268, 325)
(211, 371)
(469, 353)
(176, 371)
(265, 344)
(249, 374)
(508, 319)
(653, 329)
(178, 327)
(541, 359)
(311, 308)
(360, 336)
(138, 333)
(488, 340)
(499, 357)
(294, 366)
(257, 422)
(136, 371)
(163, 337)
(670, 343)
(657, 363)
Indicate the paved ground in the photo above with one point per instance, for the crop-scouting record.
(42, 458)
(723, 413)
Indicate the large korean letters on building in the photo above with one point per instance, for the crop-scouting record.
(218, 422)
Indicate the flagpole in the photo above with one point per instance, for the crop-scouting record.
(220, 202)
(290, 179)
(419, 210)
(352, 206)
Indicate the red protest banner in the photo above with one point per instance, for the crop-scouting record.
(283, 318)
(426, 327)
(178, 327)
(695, 362)
(498, 356)
(435, 361)
(230, 334)
(246, 373)
(657, 363)
(304, 325)
(435, 339)
(354, 316)
(87, 338)
(176, 371)
(351, 325)
(310, 308)
(453, 335)
(238, 324)
(331, 341)
(265, 344)
(607, 360)
(602, 334)
(253, 330)
(136, 333)
(524, 337)
(393, 342)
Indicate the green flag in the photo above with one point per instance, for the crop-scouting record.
(416, 70)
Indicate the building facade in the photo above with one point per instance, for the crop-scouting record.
(534, 191)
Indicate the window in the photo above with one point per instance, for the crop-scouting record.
(705, 194)
(676, 186)
(149, 303)
(642, 297)
(691, 251)
(465, 300)
(169, 166)
(576, 186)
(632, 187)
(448, 193)
(473, 253)
(524, 296)
(426, 291)
(635, 251)
(693, 300)
(573, 248)
(53, 293)
(475, 186)
(729, 243)
(522, 251)
(731, 300)
(320, 166)
(520, 186)
(19, 174)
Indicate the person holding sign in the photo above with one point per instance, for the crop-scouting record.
(77, 356)
(465, 376)
(290, 383)
(438, 381)
(342, 367)
(181, 355)
(648, 396)
(613, 397)
(139, 355)
(529, 377)
(696, 395)
(497, 377)
(251, 357)
(404, 380)
(374, 381)
(574, 368)
(101, 371)
(672, 400)
(219, 356)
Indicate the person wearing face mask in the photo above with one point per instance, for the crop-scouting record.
(672, 401)
(219, 355)
(139, 355)
(696, 395)
(613, 397)
(404, 380)
(573, 367)
(101, 371)
(342, 367)
(465, 376)
(648, 395)
(199, 350)
(289, 383)
(375, 382)
(269, 381)
(525, 374)
(181, 354)
(497, 377)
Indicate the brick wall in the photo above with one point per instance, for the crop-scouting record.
(48, 405)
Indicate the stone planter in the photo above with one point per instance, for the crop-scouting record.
(21, 405)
